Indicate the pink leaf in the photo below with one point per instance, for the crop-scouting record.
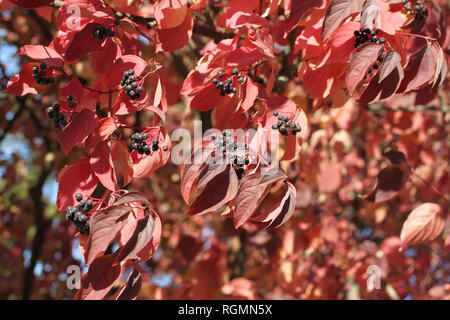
(337, 12)
(423, 224)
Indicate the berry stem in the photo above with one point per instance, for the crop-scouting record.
(430, 186)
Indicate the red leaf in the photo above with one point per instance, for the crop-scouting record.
(83, 43)
(123, 163)
(216, 193)
(131, 197)
(145, 165)
(336, 13)
(105, 128)
(132, 287)
(141, 237)
(79, 128)
(420, 70)
(252, 190)
(104, 226)
(423, 224)
(20, 84)
(42, 53)
(102, 276)
(390, 180)
(102, 165)
(190, 175)
(176, 38)
(75, 178)
(390, 63)
(126, 62)
(170, 14)
(361, 60)
(251, 92)
(249, 20)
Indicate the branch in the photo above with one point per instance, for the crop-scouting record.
(41, 226)
(10, 124)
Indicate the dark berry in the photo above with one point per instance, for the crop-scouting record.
(43, 66)
(139, 89)
(35, 69)
(241, 80)
(234, 90)
(235, 71)
(214, 81)
(165, 148)
(220, 74)
(155, 141)
(78, 197)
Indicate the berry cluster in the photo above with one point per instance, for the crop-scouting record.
(77, 214)
(58, 118)
(72, 103)
(416, 8)
(39, 76)
(227, 145)
(139, 144)
(102, 32)
(131, 85)
(367, 35)
(284, 125)
(226, 86)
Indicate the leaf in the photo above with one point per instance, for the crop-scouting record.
(190, 175)
(83, 43)
(390, 63)
(106, 126)
(336, 13)
(170, 14)
(142, 235)
(42, 53)
(126, 62)
(420, 70)
(252, 191)
(104, 226)
(216, 193)
(123, 163)
(369, 15)
(132, 197)
(176, 38)
(145, 165)
(132, 287)
(75, 178)
(423, 224)
(361, 60)
(394, 156)
(79, 128)
(102, 276)
(102, 165)
(390, 180)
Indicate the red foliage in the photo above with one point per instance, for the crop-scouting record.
(252, 63)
